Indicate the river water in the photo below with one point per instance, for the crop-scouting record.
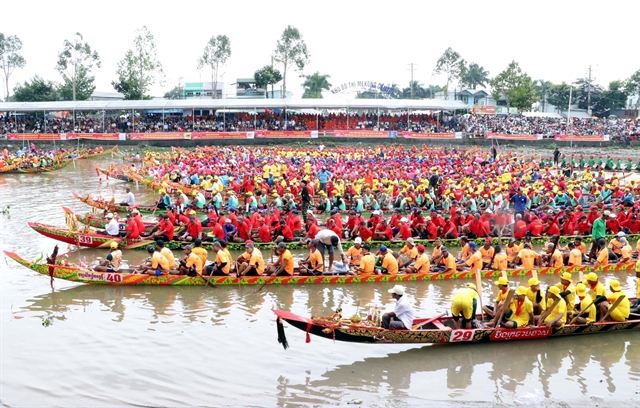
(81, 345)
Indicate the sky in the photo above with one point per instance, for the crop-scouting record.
(349, 40)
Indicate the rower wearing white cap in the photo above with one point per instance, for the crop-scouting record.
(402, 316)
(404, 230)
(616, 245)
(355, 252)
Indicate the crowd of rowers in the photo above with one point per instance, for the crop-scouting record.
(564, 302)
(32, 157)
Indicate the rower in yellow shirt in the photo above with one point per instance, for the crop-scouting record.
(520, 312)
(422, 265)
(575, 255)
(587, 310)
(389, 262)
(556, 303)
(527, 256)
(464, 304)
(475, 260)
(367, 262)
(621, 313)
(536, 296)
(567, 289)
(500, 262)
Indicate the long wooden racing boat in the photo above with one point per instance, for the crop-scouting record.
(9, 167)
(113, 173)
(438, 329)
(97, 220)
(91, 154)
(60, 164)
(113, 207)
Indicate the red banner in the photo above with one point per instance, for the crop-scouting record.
(33, 136)
(219, 135)
(98, 136)
(582, 138)
(276, 134)
(360, 133)
(414, 135)
(160, 136)
(512, 137)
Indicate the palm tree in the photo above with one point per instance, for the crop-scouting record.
(418, 91)
(474, 75)
(543, 87)
(314, 84)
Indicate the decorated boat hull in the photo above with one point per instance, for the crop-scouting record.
(113, 207)
(46, 169)
(439, 330)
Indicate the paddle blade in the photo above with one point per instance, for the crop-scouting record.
(282, 339)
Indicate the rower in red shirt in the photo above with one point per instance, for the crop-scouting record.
(312, 229)
(365, 233)
(218, 232)
(519, 228)
(552, 227)
(132, 228)
(536, 228)
(243, 229)
(613, 224)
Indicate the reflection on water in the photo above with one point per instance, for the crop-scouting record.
(202, 346)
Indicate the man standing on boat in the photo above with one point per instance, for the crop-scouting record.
(328, 239)
(402, 316)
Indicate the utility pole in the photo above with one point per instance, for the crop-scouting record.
(589, 94)
(411, 68)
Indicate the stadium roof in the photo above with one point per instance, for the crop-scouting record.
(188, 104)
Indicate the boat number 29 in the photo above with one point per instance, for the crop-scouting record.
(113, 277)
(85, 239)
(461, 335)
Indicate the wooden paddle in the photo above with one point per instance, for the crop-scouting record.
(207, 279)
(580, 313)
(613, 307)
(479, 289)
(548, 311)
(505, 305)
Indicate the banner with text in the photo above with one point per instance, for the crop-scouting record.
(582, 138)
(414, 135)
(34, 136)
(286, 134)
(362, 133)
(219, 135)
(483, 110)
(501, 136)
(160, 136)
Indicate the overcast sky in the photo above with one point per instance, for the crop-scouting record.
(349, 40)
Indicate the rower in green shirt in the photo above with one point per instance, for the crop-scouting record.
(598, 230)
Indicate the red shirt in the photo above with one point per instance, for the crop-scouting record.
(553, 229)
(243, 230)
(432, 230)
(218, 232)
(405, 232)
(264, 233)
(295, 223)
(313, 230)
(140, 224)
(536, 228)
(195, 228)
(336, 229)
(167, 229)
(132, 229)
(477, 227)
(450, 226)
(287, 233)
(365, 233)
(633, 225)
(520, 229)
(613, 224)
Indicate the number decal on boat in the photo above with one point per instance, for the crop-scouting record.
(113, 277)
(85, 239)
(461, 335)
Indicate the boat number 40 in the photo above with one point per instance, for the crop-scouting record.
(113, 277)
(461, 335)
(85, 239)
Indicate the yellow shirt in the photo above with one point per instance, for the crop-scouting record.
(500, 262)
(531, 295)
(159, 261)
(560, 310)
(354, 254)
(475, 261)
(226, 251)
(526, 309)
(487, 254)
(625, 252)
(591, 315)
(466, 251)
(575, 257)
(390, 263)
(556, 260)
(368, 264)
(411, 252)
(598, 290)
(222, 257)
(193, 260)
(571, 297)
(423, 265)
(528, 258)
(201, 252)
(513, 251)
(603, 258)
(622, 311)
(436, 252)
(615, 245)
(257, 260)
(315, 259)
(502, 296)
(170, 258)
(449, 263)
(287, 255)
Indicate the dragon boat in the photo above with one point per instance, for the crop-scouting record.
(10, 167)
(113, 207)
(60, 164)
(438, 329)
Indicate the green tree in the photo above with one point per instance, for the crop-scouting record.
(290, 50)
(632, 86)
(516, 86)
(76, 60)
(36, 90)
(140, 67)
(543, 87)
(314, 84)
(10, 58)
(558, 96)
(176, 93)
(418, 91)
(474, 75)
(451, 65)
(84, 87)
(216, 53)
(266, 76)
(614, 97)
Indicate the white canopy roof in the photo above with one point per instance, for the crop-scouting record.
(188, 104)
(541, 115)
